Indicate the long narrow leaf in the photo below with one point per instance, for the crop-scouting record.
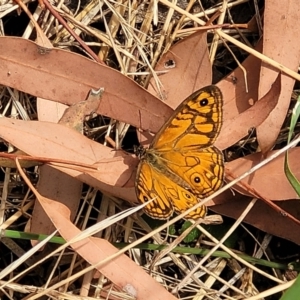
(290, 176)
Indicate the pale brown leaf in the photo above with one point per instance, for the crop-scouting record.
(49, 140)
(262, 216)
(67, 78)
(121, 270)
(238, 127)
(281, 43)
(187, 68)
(270, 180)
(233, 87)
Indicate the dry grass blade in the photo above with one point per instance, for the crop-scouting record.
(220, 244)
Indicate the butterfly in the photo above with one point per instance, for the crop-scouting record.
(181, 165)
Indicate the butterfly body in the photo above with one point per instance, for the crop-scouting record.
(181, 165)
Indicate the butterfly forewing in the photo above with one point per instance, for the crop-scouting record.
(197, 121)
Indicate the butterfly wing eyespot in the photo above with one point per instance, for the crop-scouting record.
(203, 102)
(182, 165)
(196, 178)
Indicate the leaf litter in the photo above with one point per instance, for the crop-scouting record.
(67, 78)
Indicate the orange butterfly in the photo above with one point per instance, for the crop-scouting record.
(182, 165)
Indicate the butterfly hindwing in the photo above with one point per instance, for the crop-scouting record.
(147, 188)
(166, 195)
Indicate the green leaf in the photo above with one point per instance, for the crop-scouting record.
(290, 176)
(293, 292)
(192, 236)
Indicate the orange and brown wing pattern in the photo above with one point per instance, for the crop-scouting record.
(181, 165)
(197, 121)
(147, 188)
(201, 170)
(167, 196)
